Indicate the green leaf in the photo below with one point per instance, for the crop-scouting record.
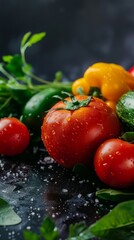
(36, 38)
(117, 224)
(128, 136)
(76, 229)
(7, 58)
(7, 214)
(114, 195)
(48, 229)
(28, 235)
(79, 231)
(15, 66)
(25, 38)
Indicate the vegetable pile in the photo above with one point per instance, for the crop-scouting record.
(18, 84)
(87, 122)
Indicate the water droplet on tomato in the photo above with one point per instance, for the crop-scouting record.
(118, 153)
(53, 132)
(104, 164)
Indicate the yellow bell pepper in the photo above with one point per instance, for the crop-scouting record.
(112, 79)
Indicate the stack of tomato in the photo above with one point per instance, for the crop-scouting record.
(84, 129)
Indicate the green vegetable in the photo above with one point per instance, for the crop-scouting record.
(7, 214)
(16, 80)
(125, 109)
(47, 230)
(128, 136)
(79, 231)
(36, 108)
(114, 195)
(117, 224)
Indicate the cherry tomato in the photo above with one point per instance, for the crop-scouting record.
(72, 136)
(114, 163)
(14, 136)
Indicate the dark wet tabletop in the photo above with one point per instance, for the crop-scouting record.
(37, 187)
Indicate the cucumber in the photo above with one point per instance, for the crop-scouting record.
(125, 109)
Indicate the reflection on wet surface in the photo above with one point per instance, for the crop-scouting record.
(36, 187)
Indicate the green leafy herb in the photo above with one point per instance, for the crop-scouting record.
(79, 231)
(14, 65)
(7, 58)
(7, 214)
(117, 224)
(47, 230)
(16, 79)
(114, 195)
(25, 38)
(29, 235)
(28, 41)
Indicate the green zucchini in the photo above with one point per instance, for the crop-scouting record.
(125, 109)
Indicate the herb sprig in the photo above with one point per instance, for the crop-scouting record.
(18, 82)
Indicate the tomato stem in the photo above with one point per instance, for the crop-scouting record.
(73, 103)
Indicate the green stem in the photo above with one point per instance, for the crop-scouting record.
(38, 78)
(46, 83)
(22, 50)
(5, 103)
(5, 73)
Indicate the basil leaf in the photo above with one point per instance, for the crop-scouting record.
(7, 214)
(128, 136)
(117, 224)
(114, 195)
(36, 38)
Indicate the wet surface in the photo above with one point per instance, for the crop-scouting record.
(36, 187)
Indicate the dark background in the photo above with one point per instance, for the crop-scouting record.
(79, 33)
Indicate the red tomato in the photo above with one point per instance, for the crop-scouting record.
(114, 163)
(72, 136)
(14, 136)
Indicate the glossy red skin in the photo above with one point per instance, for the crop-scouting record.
(114, 163)
(72, 136)
(14, 136)
(131, 71)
